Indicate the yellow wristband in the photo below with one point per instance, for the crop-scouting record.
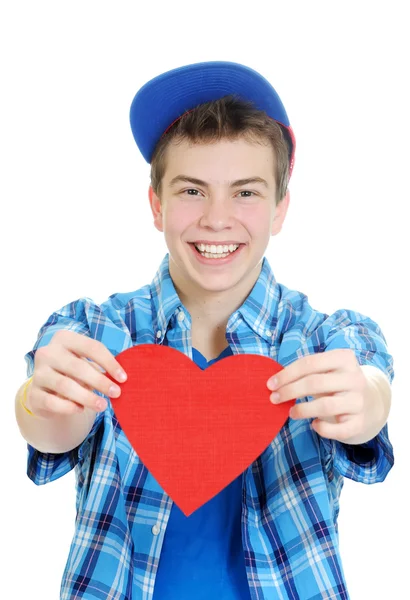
(23, 397)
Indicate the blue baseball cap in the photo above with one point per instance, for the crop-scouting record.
(164, 99)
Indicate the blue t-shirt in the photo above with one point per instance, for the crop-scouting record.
(202, 555)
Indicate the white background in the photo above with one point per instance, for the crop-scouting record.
(75, 219)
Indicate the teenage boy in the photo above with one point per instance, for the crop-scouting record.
(221, 151)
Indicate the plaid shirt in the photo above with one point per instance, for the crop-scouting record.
(290, 494)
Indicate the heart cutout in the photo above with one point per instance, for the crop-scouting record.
(194, 430)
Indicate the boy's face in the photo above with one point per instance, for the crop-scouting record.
(204, 201)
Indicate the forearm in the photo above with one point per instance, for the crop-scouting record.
(56, 434)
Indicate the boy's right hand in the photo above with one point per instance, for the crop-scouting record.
(63, 379)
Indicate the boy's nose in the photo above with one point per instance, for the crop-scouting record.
(217, 214)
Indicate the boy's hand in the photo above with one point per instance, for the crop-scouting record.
(343, 407)
(64, 380)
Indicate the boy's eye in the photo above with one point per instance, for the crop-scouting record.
(248, 194)
(191, 192)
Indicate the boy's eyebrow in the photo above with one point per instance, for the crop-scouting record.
(237, 183)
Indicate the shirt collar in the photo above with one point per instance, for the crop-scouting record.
(259, 310)
(165, 301)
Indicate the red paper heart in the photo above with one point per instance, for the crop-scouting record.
(194, 430)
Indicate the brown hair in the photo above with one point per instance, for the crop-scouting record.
(226, 118)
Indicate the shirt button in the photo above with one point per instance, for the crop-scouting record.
(268, 332)
(159, 333)
(155, 530)
(181, 316)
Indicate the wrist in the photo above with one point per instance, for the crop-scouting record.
(378, 396)
(377, 402)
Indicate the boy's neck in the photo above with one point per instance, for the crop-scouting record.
(210, 312)
(209, 319)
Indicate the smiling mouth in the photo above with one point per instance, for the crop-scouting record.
(216, 251)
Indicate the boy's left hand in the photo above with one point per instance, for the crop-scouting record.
(343, 406)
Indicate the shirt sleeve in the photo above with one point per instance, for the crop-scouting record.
(79, 316)
(370, 462)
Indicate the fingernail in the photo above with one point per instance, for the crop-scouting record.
(272, 384)
(274, 397)
(121, 375)
(114, 391)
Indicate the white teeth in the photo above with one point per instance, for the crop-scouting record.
(219, 250)
(216, 251)
(214, 256)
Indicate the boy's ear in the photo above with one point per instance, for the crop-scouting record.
(156, 209)
(280, 213)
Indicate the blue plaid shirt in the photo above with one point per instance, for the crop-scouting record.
(290, 494)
